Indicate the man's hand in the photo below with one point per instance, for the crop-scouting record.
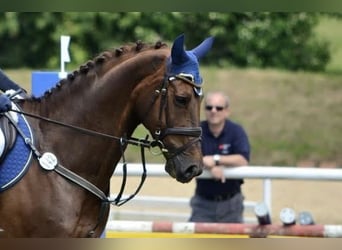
(5, 103)
(208, 161)
(218, 173)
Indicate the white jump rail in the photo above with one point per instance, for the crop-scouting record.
(249, 172)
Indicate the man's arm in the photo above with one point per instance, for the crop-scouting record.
(217, 167)
(234, 160)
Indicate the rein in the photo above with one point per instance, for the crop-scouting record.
(143, 143)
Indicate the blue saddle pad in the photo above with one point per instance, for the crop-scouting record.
(18, 159)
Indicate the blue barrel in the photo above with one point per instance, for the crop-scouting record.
(42, 81)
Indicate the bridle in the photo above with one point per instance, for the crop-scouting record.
(159, 134)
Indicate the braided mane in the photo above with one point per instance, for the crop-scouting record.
(112, 57)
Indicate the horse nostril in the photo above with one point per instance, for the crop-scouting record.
(192, 171)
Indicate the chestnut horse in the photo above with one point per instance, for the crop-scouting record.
(81, 127)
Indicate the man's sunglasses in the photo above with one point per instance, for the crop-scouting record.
(218, 108)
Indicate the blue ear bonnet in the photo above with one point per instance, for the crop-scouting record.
(187, 62)
(190, 66)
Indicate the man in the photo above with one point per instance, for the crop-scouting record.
(224, 144)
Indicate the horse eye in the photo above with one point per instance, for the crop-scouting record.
(182, 100)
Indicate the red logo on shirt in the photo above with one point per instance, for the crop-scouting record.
(224, 148)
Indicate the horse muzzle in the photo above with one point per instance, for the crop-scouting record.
(183, 170)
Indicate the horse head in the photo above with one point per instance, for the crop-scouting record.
(175, 116)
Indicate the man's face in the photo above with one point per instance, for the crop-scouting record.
(216, 109)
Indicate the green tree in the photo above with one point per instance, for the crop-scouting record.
(242, 39)
(27, 38)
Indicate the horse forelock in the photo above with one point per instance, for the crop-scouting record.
(102, 62)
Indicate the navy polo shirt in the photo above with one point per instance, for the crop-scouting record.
(232, 140)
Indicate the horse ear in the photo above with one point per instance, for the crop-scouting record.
(178, 53)
(203, 48)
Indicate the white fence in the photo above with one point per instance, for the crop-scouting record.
(245, 172)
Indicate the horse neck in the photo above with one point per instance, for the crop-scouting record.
(101, 102)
